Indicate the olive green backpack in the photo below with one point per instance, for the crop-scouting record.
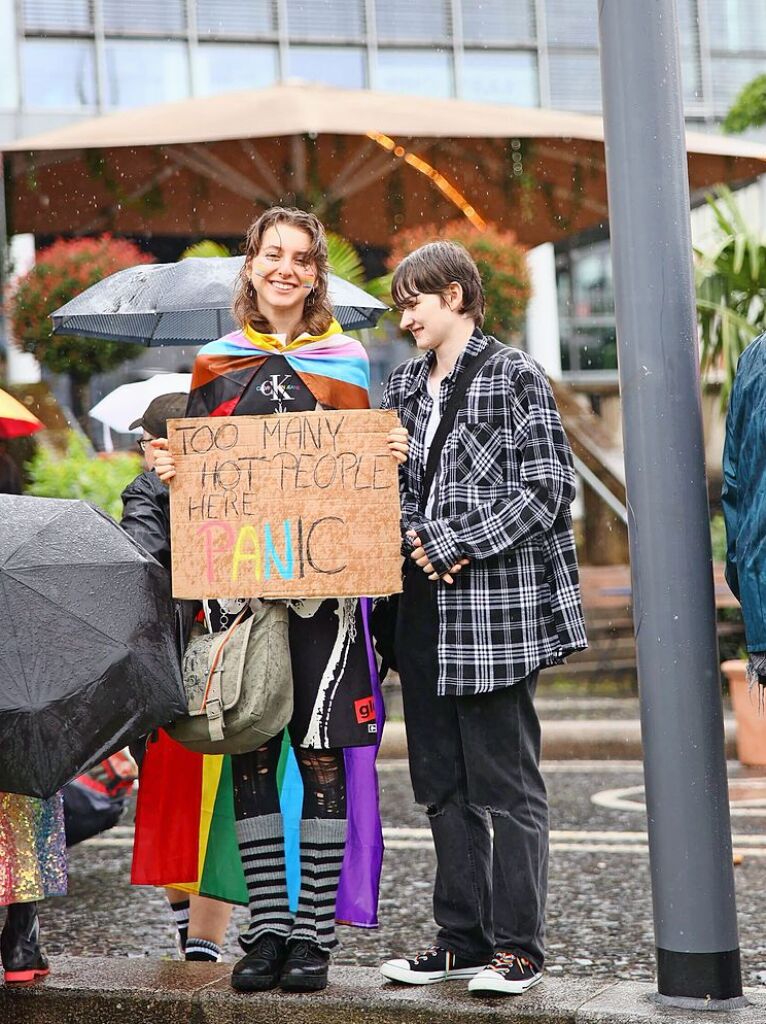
(239, 684)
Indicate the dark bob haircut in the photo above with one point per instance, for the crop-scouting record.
(431, 269)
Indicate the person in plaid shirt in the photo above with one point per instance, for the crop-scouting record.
(491, 596)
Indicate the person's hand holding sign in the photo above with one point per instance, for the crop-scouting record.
(420, 558)
(398, 443)
(164, 463)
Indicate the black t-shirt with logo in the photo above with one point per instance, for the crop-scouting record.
(347, 709)
(276, 387)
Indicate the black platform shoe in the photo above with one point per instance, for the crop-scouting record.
(306, 968)
(22, 958)
(260, 969)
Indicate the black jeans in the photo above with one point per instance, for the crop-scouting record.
(475, 760)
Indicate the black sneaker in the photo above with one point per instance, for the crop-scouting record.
(259, 969)
(432, 965)
(306, 967)
(508, 975)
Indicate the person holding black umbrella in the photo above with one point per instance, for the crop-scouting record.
(200, 923)
(290, 354)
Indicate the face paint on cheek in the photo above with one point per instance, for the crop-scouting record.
(260, 266)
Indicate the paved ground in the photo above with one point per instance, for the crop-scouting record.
(599, 907)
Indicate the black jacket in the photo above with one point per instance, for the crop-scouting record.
(146, 518)
(146, 515)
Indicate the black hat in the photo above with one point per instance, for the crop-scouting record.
(159, 411)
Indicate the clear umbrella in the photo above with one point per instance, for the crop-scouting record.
(184, 303)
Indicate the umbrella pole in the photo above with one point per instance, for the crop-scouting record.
(107, 438)
(673, 599)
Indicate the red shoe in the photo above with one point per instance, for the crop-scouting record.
(25, 976)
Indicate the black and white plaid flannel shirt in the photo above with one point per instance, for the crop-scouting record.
(502, 496)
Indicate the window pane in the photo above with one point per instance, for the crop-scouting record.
(416, 21)
(571, 24)
(42, 15)
(729, 75)
(415, 72)
(9, 80)
(498, 21)
(737, 25)
(500, 77)
(223, 67)
(144, 16)
(342, 65)
(236, 17)
(73, 84)
(334, 20)
(589, 348)
(140, 72)
(575, 81)
(592, 290)
(691, 71)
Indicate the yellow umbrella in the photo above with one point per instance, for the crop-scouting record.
(15, 420)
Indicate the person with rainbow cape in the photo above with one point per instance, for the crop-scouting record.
(288, 355)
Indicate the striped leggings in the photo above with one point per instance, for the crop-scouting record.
(260, 835)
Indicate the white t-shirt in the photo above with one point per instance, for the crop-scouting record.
(431, 426)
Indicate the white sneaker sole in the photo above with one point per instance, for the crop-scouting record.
(490, 981)
(408, 977)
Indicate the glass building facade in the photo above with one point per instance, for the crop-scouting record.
(61, 60)
(79, 57)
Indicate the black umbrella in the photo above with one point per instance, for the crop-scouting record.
(88, 659)
(184, 303)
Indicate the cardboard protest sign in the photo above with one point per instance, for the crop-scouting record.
(286, 505)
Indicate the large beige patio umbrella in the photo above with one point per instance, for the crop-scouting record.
(368, 163)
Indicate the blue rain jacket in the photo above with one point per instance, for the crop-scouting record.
(744, 491)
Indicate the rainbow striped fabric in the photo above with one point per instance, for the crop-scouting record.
(331, 354)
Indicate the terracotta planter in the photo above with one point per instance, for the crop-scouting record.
(751, 724)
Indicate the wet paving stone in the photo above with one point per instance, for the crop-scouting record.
(599, 907)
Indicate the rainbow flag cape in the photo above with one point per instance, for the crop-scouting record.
(334, 368)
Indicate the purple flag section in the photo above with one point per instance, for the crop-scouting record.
(360, 876)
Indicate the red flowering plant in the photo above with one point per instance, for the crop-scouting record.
(62, 271)
(501, 261)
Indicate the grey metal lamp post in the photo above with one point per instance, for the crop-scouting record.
(673, 598)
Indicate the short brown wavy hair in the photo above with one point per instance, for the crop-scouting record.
(432, 268)
(317, 312)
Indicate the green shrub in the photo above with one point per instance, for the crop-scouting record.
(502, 263)
(79, 474)
(718, 537)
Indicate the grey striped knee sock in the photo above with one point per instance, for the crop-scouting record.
(323, 842)
(262, 849)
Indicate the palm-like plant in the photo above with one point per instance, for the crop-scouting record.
(346, 262)
(205, 249)
(731, 291)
